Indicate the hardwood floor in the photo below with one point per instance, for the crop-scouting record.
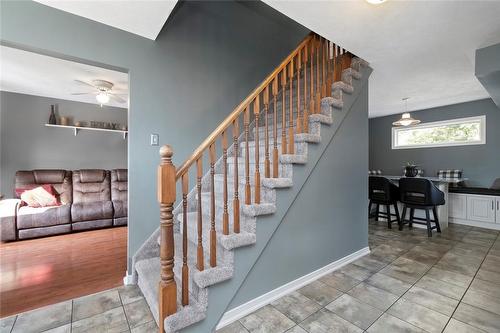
(43, 271)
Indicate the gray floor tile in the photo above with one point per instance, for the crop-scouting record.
(6, 324)
(356, 272)
(373, 296)
(129, 294)
(91, 305)
(477, 252)
(485, 320)
(320, 292)
(151, 327)
(485, 287)
(422, 257)
(388, 324)
(449, 277)
(296, 306)
(110, 321)
(61, 329)
(340, 281)
(489, 276)
(267, 320)
(387, 283)
(491, 263)
(441, 287)
(387, 252)
(420, 316)
(405, 270)
(325, 321)
(137, 313)
(432, 300)
(482, 301)
(235, 327)
(296, 329)
(371, 263)
(354, 311)
(455, 326)
(43, 319)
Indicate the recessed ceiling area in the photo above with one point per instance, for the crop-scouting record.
(34, 74)
(418, 49)
(141, 17)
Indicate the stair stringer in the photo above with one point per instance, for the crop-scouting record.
(220, 295)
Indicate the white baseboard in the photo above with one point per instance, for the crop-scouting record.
(129, 279)
(486, 225)
(256, 303)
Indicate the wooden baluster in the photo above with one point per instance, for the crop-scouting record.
(305, 112)
(256, 111)
(330, 69)
(225, 214)
(275, 128)
(311, 79)
(167, 289)
(199, 249)
(185, 269)
(267, 163)
(318, 98)
(346, 60)
(248, 191)
(283, 112)
(213, 235)
(298, 70)
(338, 59)
(291, 139)
(323, 68)
(236, 200)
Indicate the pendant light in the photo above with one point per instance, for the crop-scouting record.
(406, 119)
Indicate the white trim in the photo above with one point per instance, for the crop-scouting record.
(482, 133)
(129, 280)
(256, 303)
(485, 225)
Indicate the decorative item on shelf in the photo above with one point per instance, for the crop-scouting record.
(406, 119)
(124, 127)
(64, 121)
(52, 117)
(411, 169)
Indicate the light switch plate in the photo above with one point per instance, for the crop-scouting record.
(155, 138)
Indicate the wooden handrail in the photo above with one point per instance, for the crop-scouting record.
(238, 110)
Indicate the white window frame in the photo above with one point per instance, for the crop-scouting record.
(482, 133)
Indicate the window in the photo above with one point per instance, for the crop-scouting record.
(455, 132)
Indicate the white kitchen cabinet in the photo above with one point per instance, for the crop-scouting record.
(481, 208)
(457, 205)
(498, 210)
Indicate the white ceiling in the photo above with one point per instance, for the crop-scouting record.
(34, 74)
(142, 17)
(418, 49)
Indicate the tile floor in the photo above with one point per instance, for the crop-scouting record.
(408, 283)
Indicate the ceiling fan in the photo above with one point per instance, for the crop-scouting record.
(102, 91)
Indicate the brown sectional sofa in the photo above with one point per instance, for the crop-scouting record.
(90, 199)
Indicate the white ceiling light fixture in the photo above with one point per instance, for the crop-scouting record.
(102, 97)
(406, 119)
(103, 92)
(375, 2)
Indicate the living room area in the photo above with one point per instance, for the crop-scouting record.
(64, 179)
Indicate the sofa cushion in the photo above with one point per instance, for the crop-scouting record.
(119, 190)
(91, 186)
(86, 211)
(30, 217)
(120, 208)
(59, 179)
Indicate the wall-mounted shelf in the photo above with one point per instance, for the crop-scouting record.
(76, 129)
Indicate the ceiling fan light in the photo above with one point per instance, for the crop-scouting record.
(406, 120)
(102, 98)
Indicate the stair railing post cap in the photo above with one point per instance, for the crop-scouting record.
(166, 151)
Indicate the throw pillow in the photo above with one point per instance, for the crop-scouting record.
(41, 196)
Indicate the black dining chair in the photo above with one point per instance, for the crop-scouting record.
(383, 192)
(419, 193)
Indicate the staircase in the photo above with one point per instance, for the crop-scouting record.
(196, 245)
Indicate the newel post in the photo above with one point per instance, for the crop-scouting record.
(166, 197)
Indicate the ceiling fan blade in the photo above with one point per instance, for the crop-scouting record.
(85, 83)
(82, 93)
(116, 98)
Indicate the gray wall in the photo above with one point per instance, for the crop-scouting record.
(480, 163)
(487, 70)
(327, 220)
(27, 144)
(208, 57)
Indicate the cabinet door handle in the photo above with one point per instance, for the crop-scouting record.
(492, 205)
(498, 205)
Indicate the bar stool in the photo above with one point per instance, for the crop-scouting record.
(383, 192)
(419, 193)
